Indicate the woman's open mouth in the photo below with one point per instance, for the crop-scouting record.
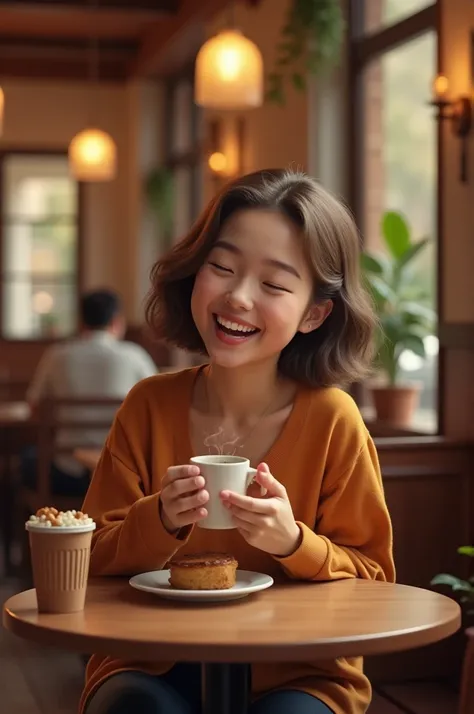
(237, 331)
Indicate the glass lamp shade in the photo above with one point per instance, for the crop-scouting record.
(229, 73)
(93, 156)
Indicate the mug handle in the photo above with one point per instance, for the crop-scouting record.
(251, 478)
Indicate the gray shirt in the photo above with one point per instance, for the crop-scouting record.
(97, 366)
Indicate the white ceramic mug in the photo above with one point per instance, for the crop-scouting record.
(222, 473)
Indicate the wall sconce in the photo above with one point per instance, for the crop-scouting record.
(458, 112)
(218, 163)
(225, 148)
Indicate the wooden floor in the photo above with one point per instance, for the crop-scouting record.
(36, 680)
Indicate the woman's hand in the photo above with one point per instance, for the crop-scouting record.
(266, 523)
(182, 497)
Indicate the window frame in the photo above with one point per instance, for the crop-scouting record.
(192, 158)
(363, 48)
(46, 153)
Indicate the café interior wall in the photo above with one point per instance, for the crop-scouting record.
(46, 115)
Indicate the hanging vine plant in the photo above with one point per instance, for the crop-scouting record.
(159, 193)
(311, 42)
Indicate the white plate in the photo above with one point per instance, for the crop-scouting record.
(156, 582)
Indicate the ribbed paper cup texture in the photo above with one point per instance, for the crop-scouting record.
(60, 560)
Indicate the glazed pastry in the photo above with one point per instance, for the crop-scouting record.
(203, 571)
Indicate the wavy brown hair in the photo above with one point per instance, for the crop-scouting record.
(337, 353)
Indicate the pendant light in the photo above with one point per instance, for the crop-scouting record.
(92, 152)
(229, 71)
(92, 156)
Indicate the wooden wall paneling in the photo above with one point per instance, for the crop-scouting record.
(430, 516)
(429, 494)
(458, 392)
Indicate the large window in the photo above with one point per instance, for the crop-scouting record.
(39, 247)
(396, 158)
(378, 14)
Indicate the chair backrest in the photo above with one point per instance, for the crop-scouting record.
(65, 425)
(13, 390)
(466, 704)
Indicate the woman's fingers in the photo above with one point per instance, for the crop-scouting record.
(175, 473)
(189, 517)
(188, 503)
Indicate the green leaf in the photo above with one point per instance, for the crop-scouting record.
(453, 582)
(371, 263)
(412, 252)
(467, 550)
(416, 309)
(275, 96)
(415, 344)
(299, 81)
(396, 233)
(380, 289)
(393, 326)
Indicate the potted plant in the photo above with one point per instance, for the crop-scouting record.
(465, 588)
(404, 313)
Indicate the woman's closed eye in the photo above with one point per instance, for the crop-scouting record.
(220, 268)
(277, 288)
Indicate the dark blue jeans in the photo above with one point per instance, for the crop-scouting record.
(179, 692)
(62, 483)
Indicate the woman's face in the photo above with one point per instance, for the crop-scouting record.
(254, 292)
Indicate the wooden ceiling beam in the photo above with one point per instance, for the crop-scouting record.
(70, 69)
(9, 43)
(173, 40)
(148, 6)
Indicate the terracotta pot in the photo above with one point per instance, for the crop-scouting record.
(396, 405)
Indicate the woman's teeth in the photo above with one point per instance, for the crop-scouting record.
(235, 326)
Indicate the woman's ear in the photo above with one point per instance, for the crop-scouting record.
(315, 316)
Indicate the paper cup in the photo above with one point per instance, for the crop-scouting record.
(60, 561)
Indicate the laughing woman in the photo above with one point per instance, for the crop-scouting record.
(266, 285)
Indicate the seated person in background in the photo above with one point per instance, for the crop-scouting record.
(96, 365)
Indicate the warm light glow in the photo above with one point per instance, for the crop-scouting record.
(229, 73)
(42, 302)
(218, 162)
(440, 86)
(93, 156)
(2, 109)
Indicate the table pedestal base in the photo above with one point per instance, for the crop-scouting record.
(225, 688)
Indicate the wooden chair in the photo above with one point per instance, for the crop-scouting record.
(13, 390)
(466, 704)
(61, 414)
(54, 415)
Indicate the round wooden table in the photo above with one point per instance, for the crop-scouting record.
(294, 621)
